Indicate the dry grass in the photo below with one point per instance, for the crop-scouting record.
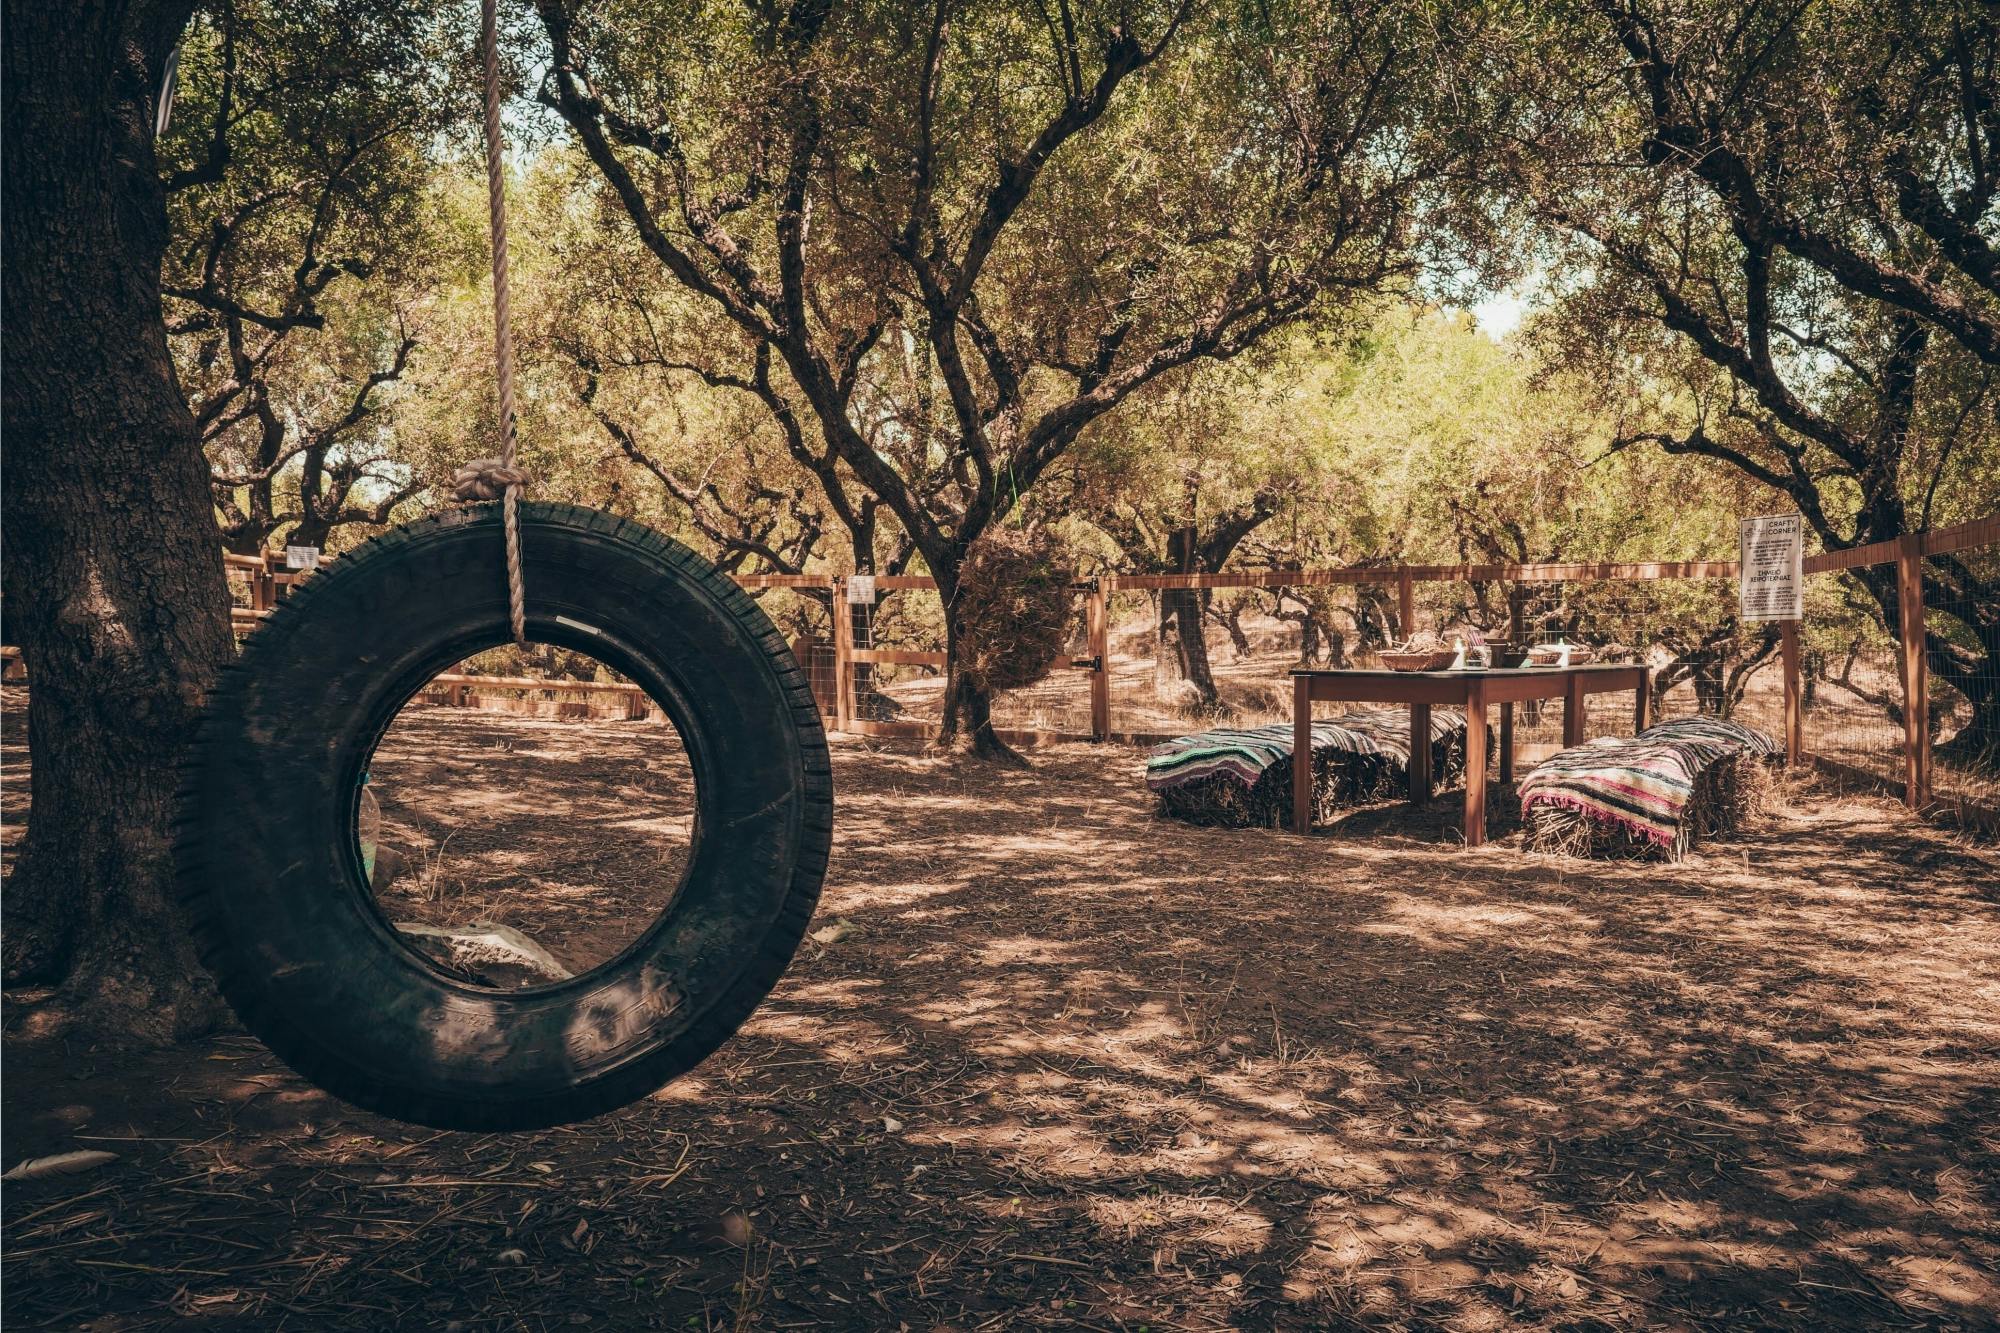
(1069, 1066)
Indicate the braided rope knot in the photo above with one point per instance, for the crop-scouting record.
(486, 479)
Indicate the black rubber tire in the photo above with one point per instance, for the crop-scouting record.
(271, 878)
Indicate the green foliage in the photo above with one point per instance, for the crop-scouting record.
(305, 167)
(832, 288)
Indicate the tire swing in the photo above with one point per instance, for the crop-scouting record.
(268, 864)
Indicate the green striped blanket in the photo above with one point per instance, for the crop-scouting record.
(1246, 753)
(1642, 783)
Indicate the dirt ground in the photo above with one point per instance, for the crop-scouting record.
(502, 819)
(1056, 1064)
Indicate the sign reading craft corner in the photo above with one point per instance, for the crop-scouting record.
(1772, 551)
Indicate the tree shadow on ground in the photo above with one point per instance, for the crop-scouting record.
(1071, 1066)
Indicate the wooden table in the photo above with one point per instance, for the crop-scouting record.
(1474, 691)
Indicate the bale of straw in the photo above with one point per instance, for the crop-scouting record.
(1014, 608)
(1738, 789)
(1726, 795)
(1341, 779)
(1561, 830)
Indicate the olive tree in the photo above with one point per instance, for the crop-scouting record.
(1043, 208)
(1767, 231)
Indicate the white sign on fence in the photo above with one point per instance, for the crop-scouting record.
(861, 590)
(302, 557)
(1772, 551)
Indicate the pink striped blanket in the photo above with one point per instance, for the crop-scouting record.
(1642, 783)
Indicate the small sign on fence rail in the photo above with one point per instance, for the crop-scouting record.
(1772, 554)
(302, 557)
(861, 590)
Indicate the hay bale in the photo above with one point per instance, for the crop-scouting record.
(1342, 779)
(1727, 793)
(1561, 830)
(1014, 608)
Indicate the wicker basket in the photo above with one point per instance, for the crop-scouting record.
(1435, 660)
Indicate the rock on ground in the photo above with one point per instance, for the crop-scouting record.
(489, 952)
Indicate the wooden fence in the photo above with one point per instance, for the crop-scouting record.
(268, 580)
(1907, 553)
(541, 696)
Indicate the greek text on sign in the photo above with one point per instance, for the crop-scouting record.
(1772, 554)
(861, 590)
(302, 557)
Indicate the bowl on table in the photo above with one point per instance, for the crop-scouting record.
(1508, 655)
(1435, 659)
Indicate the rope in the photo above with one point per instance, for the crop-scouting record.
(488, 478)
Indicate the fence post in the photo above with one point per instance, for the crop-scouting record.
(843, 656)
(1406, 603)
(1788, 643)
(1916, 672)
(1097, 626)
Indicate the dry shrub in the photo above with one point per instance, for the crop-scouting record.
(1014, 609)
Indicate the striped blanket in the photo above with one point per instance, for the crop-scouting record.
(1641, 783)
(1712, 731)
(1245, 754)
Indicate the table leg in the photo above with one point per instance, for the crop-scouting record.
(1507, 742)
(1642, 699)
(1302, 755)
(1573, 711)
(1420, 753)
(1475, 768)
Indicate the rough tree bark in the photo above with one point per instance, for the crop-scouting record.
(966, 723)
(113, 578)
(1181, 642)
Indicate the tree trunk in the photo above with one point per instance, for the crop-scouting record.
(1184, 645)
(114, 580)
(967, 724)
(310, 530)
(1232, 620)
(1182, 651)
(1977, 743)
(245, 538)
(1973, 670)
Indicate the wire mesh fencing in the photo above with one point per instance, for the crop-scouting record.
(898, 651)
(899, 679)
(804, 615)
(1159, 656)
(1704, 660)
(1165, 654)
(1962, 615)
(1845, 682)
(1850, 674)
